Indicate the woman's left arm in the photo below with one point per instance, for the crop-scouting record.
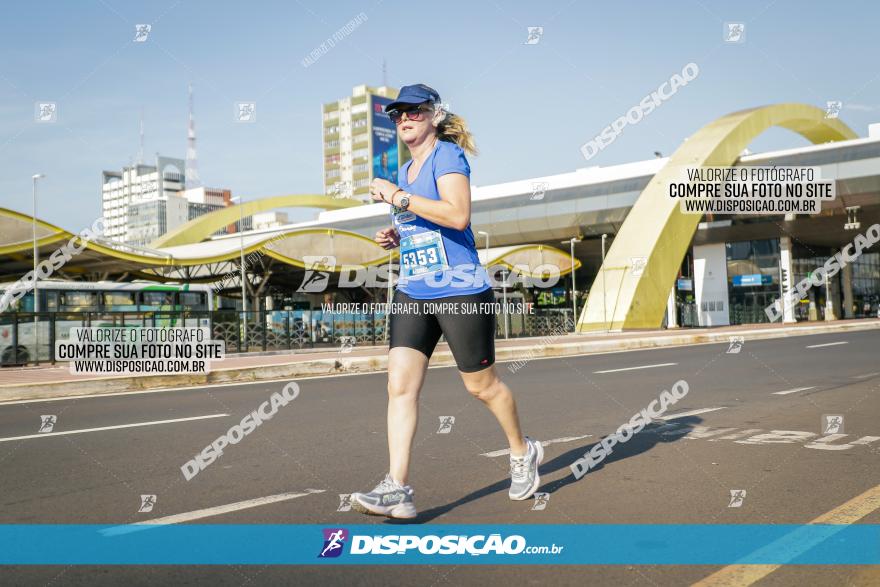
(452, 210)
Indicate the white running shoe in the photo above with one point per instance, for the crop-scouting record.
(388, 498)
(524, 478)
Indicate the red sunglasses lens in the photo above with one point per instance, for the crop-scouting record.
(396, 115)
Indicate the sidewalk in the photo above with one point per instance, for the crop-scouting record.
(56, 381)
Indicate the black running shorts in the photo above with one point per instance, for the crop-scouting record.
(467, 322)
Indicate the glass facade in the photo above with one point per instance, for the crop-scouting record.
(804, 261)
(752, 279)
(866, 286)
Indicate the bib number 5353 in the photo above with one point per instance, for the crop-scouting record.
(422, 253)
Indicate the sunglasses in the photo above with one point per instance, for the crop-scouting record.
(414, 114)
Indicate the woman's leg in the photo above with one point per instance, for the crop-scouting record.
(413, 338)
(486, 386)
(526, 455)
(406, 373)
(471, 339)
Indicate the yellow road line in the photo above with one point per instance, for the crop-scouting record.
(848, 513)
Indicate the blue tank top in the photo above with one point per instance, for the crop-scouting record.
(436, 261)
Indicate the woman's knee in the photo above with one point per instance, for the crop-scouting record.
(485, 389)
(399, 387)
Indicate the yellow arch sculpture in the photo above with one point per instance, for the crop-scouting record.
(198, 229)
(655, 235)
(353, 248)
(349, 249)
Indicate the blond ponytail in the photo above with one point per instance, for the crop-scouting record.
(453, 129)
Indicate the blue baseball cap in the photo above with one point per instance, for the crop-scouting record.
(414, 94)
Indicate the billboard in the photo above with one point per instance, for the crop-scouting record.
(384, 140)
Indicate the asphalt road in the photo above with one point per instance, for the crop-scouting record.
(332, 438)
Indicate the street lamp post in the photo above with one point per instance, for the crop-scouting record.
(485, 234)
(36, 253)
(241, 254)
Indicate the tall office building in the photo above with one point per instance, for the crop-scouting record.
(360, 142)
(149, 220)
(143, 202)
(122, 191)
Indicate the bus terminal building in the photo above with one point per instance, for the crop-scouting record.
(660, 266)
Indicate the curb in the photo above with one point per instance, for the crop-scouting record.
(377, 363)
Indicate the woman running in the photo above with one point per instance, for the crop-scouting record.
(431, 211)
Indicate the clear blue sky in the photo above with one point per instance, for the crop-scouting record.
(529, 106)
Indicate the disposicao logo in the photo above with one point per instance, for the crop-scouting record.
(334, 541)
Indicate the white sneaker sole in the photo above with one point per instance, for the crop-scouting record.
(537, 483)
(400, 511)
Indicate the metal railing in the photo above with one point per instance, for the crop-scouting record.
(28, 337)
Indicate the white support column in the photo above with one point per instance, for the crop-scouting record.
(786, 280)
(830, 311)
(710, 284)
(671, 310)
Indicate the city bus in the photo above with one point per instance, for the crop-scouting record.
(96, 304)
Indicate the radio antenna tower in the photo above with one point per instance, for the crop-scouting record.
(192, 169)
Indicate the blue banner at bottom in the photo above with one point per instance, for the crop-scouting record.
(437, 544)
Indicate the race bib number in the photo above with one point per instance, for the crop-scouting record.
(422, 253)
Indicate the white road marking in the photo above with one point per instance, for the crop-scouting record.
(505, 451)
(135, 425)
(866, 440)
(205, 513)
(866, 375)
(635, 368)
(795, 390)
(738, 435)
(818, 346)
(690, 413)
